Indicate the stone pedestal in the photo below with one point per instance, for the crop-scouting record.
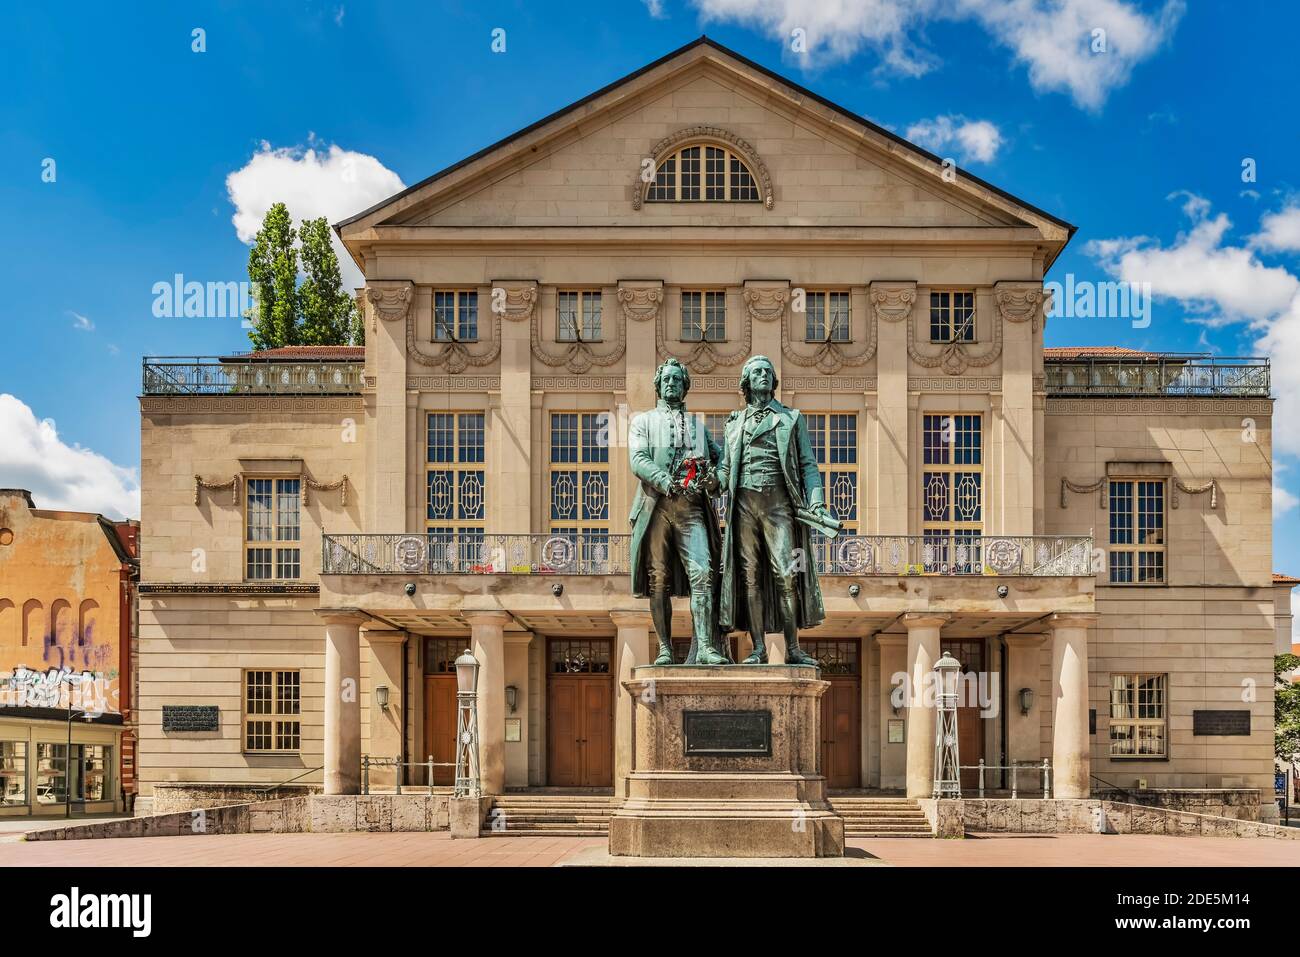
(708, 780)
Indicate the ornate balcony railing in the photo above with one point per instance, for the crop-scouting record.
(211, 375)
(432, 553)
(1158, 376)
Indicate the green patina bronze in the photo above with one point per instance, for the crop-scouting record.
(760, 576)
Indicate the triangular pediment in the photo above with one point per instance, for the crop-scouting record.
(825, 167)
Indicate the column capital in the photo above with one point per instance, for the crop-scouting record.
(630, 618)
(342, 616)
(383, 635)
(1024, 641)
(1075, 619)
(925, 619)
(486, 617)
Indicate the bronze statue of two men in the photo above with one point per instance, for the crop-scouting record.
(759, 574)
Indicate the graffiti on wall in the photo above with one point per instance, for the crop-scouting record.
(92, 692)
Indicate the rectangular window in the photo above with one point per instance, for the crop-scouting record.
(834, 440)
(272, 529)
(88, 779)
(827, 318)
(952, 493)
(578, 316)
(455, 315)
(579, 489)
(715, 173)
(455, 490)
(704, 316)
(272, 710)
(1137, 532)
(1138, 718)
(952, 316)
(13, 772)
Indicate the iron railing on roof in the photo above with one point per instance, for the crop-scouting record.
(214, 375)
(477, 553)
(1166, 375)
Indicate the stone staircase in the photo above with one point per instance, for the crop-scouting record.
(550, 814)
(881, 816)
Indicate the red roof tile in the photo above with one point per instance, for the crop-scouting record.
(1087, 352)
(1280, 579)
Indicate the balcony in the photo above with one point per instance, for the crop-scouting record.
(1158, 375)
(1038, 556)
(247, 375)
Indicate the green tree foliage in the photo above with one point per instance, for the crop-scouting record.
(1286, 698)
(317, 312)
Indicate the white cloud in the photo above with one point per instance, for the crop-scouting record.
(1279, 232)
(333, 182)
(1227, 283)
(81, 322)
(1283, 499)
(61, 476)
(975, 140)
(1054, 39)
(656, 8)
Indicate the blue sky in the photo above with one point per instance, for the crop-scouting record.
(333, 104)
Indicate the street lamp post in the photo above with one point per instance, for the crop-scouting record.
(947, 763)
(467, 780)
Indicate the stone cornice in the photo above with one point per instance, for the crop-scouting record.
(1167, 405)
(243, 404)
(228, 588)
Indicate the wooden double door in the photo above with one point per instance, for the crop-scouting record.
(579, 713)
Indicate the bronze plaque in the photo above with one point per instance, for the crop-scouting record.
(727, 734)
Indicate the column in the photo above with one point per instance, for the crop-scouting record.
(1019, 307)
(892, 304)
(1070, 759)
(632, 647)
(387, 648)
(510, 439)
(922, 653)
(516, 675)
(893, 757)
(487, 640)
(342, 700)
(392, 303)
(1024, 731)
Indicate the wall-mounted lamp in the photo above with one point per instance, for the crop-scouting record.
(381, 697)
(512, 697)
(1026, 700)
(855, 590)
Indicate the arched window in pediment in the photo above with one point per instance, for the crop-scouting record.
(705, 165)
(703, 173)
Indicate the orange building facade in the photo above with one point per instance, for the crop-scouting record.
(67, 627)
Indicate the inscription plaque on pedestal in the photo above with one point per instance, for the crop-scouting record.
(720, 734)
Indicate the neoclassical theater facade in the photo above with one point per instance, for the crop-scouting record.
(325, 529)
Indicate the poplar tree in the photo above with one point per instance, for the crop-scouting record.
(273, 273)
(325, 309)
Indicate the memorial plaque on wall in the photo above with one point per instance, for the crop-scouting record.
(727, 734)
(190, 717)
(1235, 722)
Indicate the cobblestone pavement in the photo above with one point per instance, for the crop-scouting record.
(438, 849)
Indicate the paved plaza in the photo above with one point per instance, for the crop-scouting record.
(439, 850)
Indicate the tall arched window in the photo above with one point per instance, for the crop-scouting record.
(703, 173)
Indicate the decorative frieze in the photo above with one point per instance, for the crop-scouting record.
(962, 385)
(1201, 489)
(578, 357)
(820, 383)
(892, 301)
(514, 298)
(1082, 488)
(453, 383)
(583, 384)
(390, 300)
(226, 588)
(1022, 301)
(236, 482)
(1191, 405)
(766, 301)
(702, 356)
(955, 357)
(233, 484)
(641, 299)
